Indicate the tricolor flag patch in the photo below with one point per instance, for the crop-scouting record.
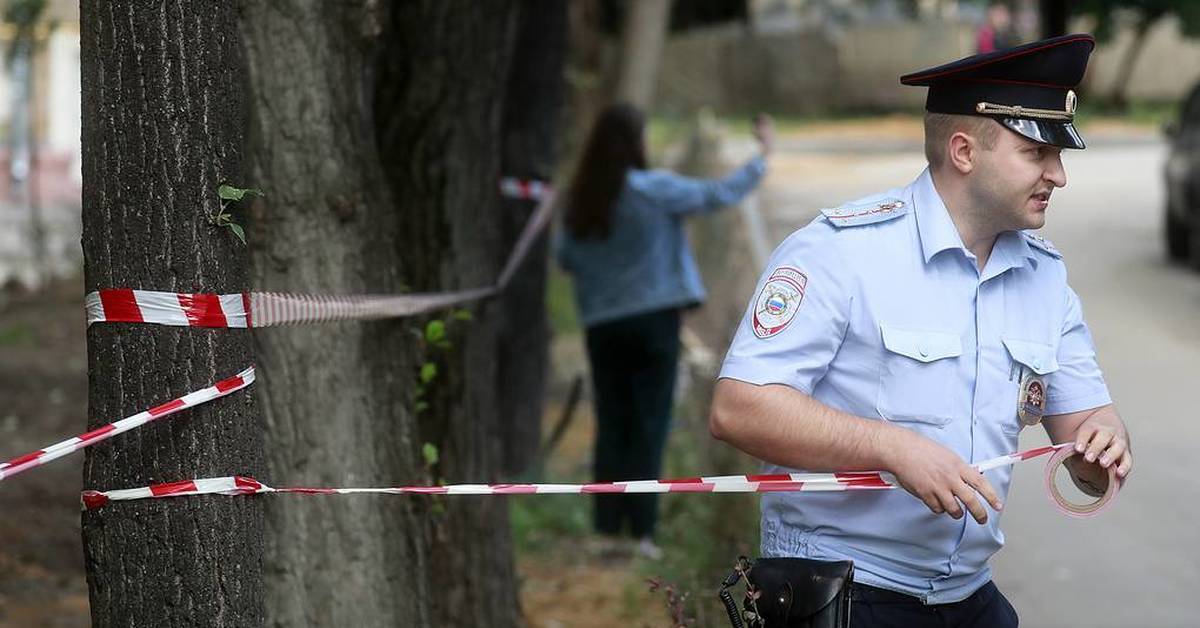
(778, 301)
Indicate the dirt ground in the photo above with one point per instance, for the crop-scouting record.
(43, 399)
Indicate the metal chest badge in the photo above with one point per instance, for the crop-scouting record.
(1031, 405)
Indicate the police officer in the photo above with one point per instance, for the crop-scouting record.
(918, 331)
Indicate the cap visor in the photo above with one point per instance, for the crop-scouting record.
(1052, 132)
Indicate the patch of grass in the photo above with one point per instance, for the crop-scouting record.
(16, 335)
(701, 534)
(539, 521)
(560, 303)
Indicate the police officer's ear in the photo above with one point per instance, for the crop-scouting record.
(962, 152)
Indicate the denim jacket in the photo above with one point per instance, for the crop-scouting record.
(645, 264)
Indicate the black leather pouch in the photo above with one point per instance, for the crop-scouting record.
(791, 593)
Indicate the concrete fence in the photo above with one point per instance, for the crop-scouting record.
(732, 69)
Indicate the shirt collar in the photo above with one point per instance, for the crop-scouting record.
(938, 233)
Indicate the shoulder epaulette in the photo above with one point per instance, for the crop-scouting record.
(1042, 244)
(865, 213)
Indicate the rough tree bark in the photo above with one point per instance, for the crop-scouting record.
(337, 397)
(377, 130)
(162, 127)
(440, 135)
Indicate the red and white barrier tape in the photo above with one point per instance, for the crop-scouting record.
(794, 482)
(523, 189)
(266, 309)
(53, 452)
(234, 485)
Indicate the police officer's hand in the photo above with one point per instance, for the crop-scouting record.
(1102, 439)
(940, 478)
(764, 132)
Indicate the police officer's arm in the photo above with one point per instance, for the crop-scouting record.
(1078, 407)
(791, 333)
(781, 425)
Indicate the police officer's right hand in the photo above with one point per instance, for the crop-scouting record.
(940, 478)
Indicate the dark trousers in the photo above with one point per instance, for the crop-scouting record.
(633, 362)
(880, 608)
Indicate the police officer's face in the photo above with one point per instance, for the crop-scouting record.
(1015, 180)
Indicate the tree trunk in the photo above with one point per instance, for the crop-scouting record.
(1054, 14)
(642, 37)
(531, 141)
(1120, 88)
(162, 127)
(440, 135)
(337, 397)
(378, 131)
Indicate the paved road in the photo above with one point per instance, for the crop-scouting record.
(1138, 564)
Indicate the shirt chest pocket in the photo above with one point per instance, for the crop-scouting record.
(1030, 366)
(919, 380)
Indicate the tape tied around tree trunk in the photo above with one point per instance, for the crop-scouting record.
(268, 309)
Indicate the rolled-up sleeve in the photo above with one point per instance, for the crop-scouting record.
(1078, 383)
(788, 338)
(678, 194)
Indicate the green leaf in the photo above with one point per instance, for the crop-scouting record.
(428, 372)
(463, 315)
(230, 193)
(421, 406)
(238, 231)
(435, 331)
(430, 451)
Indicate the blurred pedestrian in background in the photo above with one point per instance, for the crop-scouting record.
(625, 246)
(996, 32)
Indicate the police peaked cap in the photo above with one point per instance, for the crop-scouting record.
(1028, 89)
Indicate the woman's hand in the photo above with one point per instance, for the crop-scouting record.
(764, 132)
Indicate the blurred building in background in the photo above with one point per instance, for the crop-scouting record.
(39, 142)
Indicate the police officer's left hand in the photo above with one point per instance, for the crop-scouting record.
(1102, 439)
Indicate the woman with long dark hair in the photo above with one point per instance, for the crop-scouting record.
(625, 246)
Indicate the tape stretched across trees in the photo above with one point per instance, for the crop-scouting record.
(237, 485)
(792, 482)
(268, 309)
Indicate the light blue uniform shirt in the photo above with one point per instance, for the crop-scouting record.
(645, 264)
(877, 309)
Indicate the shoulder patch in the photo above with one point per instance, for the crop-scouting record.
(854, 214)
(1042, 244)
(777, 302)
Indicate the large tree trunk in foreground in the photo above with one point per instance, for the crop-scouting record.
(162, 127)
(336, 397)
(377, 132)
